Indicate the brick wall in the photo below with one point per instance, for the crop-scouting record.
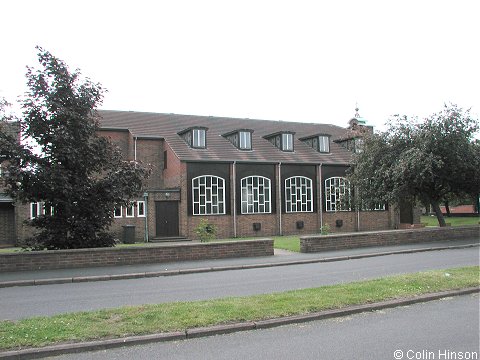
(62, 259)
(175, 168)
(268, 224)
(311, 223)
(150, 151)
(319, 243)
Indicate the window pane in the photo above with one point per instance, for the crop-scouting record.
(323, 143)
(298, 194)
(245, 140)
(287, 142)
(198, 138)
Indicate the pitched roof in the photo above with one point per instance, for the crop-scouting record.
(219, 148)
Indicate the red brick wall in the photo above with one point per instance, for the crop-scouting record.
(311, 222)
(268, 222)
(150, 151)
(319, 243)
(349, 219)
(61, 259)
(175, 169)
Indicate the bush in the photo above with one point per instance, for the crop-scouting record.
(206, 231)
(325, 229)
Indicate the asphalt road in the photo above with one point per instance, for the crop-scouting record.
(21, 302)
(433, 330)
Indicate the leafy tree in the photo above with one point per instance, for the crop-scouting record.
(79, 175)
(420, 160)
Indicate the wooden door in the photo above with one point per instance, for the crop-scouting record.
(7, 224)
(166, 213)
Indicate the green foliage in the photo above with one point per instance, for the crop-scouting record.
(325, 229)
(79, 174)
(205, 231)
(420, 160)
(291, 243)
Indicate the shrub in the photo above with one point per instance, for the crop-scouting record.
(206, 231)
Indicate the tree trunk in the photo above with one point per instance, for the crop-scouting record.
(438, 213)
(447, 208)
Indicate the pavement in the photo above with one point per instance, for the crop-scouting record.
(280, 258)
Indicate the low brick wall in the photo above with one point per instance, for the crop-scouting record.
(319, 243)
(63, 259)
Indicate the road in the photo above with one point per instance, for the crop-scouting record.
(22, 302)
(432, 330)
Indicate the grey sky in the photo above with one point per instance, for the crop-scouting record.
(285, 60)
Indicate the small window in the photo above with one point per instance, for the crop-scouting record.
(245, 140)
(130, 213)
(324, 144)
(320, 143)
(287, 142)
(34, 210)
(141, 208)
(165, 159)
(117, 213)
(195, 137)
(39, 208)
(198, 138)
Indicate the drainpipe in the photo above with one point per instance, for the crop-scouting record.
(135, 150)
(145, 198)
(357, 209)
(234, 175)
(321, 194)
(279, 206)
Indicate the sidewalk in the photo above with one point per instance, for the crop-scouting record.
(281, 258)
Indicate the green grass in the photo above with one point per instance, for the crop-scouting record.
(146, 319)
(291, 243)
(453, 221)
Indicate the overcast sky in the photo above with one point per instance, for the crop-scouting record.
(297, 60)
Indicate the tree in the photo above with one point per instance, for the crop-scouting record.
(420, 160)
(79, 176)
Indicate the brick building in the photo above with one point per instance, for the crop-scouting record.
(248, 177)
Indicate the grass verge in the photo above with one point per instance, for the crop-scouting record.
(291, 243)
(453, 221)
(136, 320)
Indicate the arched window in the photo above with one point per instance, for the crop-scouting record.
(256, 195)
(298, 194)
(208, 193)
(337, 194)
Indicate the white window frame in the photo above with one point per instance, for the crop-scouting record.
(245, 140)
(324, 143)
(39, 209)
(121, 212)
(287, 142)
(298, 194)
(336, 189)
(141, 205)
(256, 195)
(130, 211)
(199, 138)
(208, 195)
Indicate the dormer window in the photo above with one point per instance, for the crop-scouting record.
(355, 145)
(195, 137)
(241, 139)
(282, 140)
(287, 142)
(320, 143)
(245, 142)
(198, 140)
